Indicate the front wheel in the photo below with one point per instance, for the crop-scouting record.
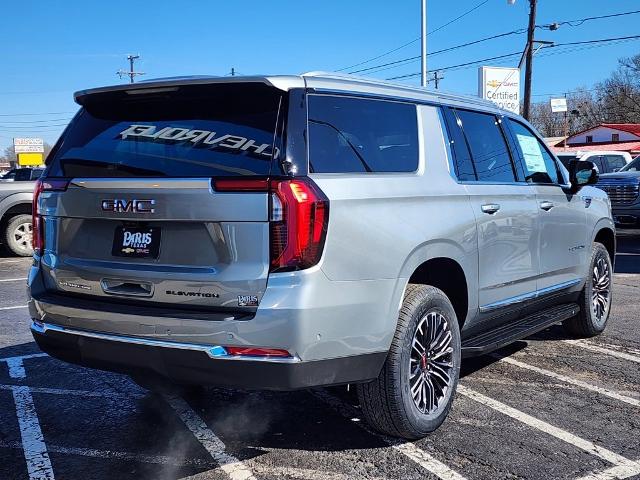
(414, 391)
(595, 298)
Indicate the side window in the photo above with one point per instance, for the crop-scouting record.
(23, 174)
(348, 134)
(461, 157)
(615, 162)
(488, 147)
(539, 165)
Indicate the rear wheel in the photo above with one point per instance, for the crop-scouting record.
(414, 391)
(595, 298)
(17, 235)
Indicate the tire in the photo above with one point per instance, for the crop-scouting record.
(17, 235)
(593, 317)
(387, 402)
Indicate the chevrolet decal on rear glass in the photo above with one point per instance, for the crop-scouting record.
(203, 138)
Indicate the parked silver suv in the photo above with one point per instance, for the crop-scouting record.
(293, 231)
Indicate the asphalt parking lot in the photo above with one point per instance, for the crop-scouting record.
(547, 407)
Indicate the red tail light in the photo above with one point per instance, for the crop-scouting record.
(37, 223)
(299, 220)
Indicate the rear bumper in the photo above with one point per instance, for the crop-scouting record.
(198, 364)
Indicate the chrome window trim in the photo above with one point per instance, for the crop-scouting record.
(43, 328)
(528, 296)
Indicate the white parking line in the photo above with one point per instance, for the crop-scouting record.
(624, 464)
(408, 449)
(607, 351)
(14, 307)
(78, 393)
(29, 355)
(35, 450)
(16, 366)
(234, 468)
(13, 279)
(618, 472)
(578, 383)
(276, 471)
(135, 457)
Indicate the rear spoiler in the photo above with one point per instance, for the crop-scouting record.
(174, 83)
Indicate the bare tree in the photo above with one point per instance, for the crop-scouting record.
(614, 100)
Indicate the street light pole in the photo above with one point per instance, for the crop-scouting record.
(529, 65)
(424, 44)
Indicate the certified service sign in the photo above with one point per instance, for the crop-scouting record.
(500, 85)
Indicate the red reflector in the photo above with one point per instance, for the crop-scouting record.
(240, 184)
(256, 352)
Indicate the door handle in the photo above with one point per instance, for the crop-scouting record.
(490, 208)
(546, 206)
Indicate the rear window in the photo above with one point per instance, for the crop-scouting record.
(350, 135)
(186, 131)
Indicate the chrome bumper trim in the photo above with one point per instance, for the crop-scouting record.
(216, 352)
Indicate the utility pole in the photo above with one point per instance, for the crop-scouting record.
(529, 65)
(131, 73)
(436, 78)
(566, 124)
(424, 44)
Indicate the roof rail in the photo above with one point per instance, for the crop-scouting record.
(400, 86)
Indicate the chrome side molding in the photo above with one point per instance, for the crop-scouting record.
(528, 296)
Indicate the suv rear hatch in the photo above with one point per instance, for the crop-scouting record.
(160, 197)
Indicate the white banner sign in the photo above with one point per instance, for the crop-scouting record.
(500, 85)
(558, 105)
(28, 145)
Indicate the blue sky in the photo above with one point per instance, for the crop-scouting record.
(50, 49)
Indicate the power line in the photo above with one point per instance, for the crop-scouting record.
(41, 121)
(455, 47)
(414, 40)
(32, 114)
(584, 42)
(448, 49)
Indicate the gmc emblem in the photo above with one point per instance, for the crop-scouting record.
(131, 206)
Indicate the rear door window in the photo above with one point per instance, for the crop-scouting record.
(186, 131)
(356, 135)
(488, 147)
(462, 163)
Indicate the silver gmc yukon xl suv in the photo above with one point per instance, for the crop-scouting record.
(284, 232)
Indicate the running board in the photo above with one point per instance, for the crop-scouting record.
(503, 335)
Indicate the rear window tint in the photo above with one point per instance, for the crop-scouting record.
(489, 150)
(192, 131)
(348, 135)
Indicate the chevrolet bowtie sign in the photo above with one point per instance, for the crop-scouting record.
(501, 86)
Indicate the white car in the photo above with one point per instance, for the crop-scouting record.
(607, 161)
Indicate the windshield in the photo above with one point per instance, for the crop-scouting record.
(187, 131)
(633, 166)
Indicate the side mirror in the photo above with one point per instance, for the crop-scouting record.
(581, 173)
